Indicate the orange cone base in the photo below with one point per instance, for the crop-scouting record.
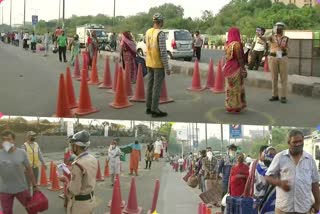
(208, 87)
(79, 79)
(134, 99)
(82, 112)
(94, 83)
(196, 89)
(168, 100)
(60, 188)
(122, 205)
(113, 105)
(218, 91)
(138, 211)
(49, 183)
(75, 105)
(105, 86)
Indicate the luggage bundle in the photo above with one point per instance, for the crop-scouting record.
(240, 205)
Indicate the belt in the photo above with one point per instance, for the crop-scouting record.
(83, 197)
(274, 54)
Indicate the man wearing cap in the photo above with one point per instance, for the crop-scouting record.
(157, 65)
(278, 61)
(80, 190)
(34, 154)
(257, 50)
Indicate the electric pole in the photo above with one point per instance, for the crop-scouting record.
(24, 12)
(10, 13)
(63, 12)
(114, 13)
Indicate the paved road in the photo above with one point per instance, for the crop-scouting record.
(29, 86)
(171, 190)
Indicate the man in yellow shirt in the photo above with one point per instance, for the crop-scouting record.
(157, 65)
(34, 154)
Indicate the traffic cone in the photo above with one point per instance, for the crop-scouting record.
(210, 77)
(200, 208)
(63, 108)
(139, 95)
(204, 208)
(85, 106)
(107, 82)
(70, 91)
(164, 95)
(55, 181)
(132, 205)
(51, 172)
(219, 81)
(209, 211)
(84, 65)
(94, 79)
(43, 179)
(196, 81)
(106, 170)
(115, 206)
(266, 64)
(117, 186)
(128, 80)
(76, 73)
(155, 197)
(116, 74)
(121, 99)
(98, 175)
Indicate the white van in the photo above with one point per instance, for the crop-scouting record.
(179, 44)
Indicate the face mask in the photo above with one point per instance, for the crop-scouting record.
(297, 150)
(7, 146)
(113, 146)
(232, 153)
(209, 155)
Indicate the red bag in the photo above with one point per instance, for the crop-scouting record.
(38, 203)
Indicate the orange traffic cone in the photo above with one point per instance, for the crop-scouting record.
(94, 80)
(107, 82)
(51, 172)
(115, 206)
(63, 108)
(76, 73)
(204, 208)
(219, 81)
(106, 170)
(43, 179)
(164, 95)
(139, 95)
(70, 91)
(116, 74)
(121, 99)
(196, 81)
(209, 211)
(99, 176)
(84, 65)
(128, 80)
(132, 206)
(266, 64)
(55, 181)
(117, 186)
(210, 78)
(155, 197)
(85, 106)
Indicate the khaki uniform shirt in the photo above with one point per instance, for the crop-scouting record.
(83, 181)
(275, 43)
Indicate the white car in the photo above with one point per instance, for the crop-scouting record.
(179, 44)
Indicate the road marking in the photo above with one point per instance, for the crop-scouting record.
(210, 115)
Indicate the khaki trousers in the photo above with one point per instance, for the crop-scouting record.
(277, 211)
(279, 67)
(81, 207)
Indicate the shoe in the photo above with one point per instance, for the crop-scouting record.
(65, 60)
(283, 100)
(159, 114)
(148, 111)
(273, 98)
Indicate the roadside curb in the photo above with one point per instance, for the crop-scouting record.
(300, 85)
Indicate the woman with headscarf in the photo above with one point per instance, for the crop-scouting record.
(92, 44)
(128, 54)
(75, 49)
(135, 157)
(149, 155)
(238, 177)
(234, 72)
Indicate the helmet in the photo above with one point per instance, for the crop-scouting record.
(157, 17)
(81, 139)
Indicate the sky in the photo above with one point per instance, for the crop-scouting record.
(49, 9)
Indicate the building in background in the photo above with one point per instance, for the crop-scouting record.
(298, 3)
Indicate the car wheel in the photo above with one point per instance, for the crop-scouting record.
(189, 59)
(140, 52)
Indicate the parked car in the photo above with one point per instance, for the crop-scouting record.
(178, 41)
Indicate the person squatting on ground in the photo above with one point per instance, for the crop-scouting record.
(80, 189)
(113, 159)
(14, 167)
(157, 65)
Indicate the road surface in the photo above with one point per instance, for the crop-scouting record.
(29, 87)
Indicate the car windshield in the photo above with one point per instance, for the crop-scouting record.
(182, 35)
(100, 33)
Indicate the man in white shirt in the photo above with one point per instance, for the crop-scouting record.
(181, 161)
(198, 42)
(257, 50)
(157, 149)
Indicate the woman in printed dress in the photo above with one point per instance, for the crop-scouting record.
(128, 54)
(92, 46)
(75, 51)
(234, 72)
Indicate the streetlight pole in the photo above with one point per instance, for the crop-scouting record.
(63, 11)
(24, 12)
(114, 12)
(2, 15)
(59, 11)
(10, 13)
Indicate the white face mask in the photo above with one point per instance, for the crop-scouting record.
(7, 146)
(209, 155)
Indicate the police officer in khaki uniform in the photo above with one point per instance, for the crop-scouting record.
(80, 190)
(278, 62)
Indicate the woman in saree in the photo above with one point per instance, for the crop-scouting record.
(234, 72)
(238, 177)
(135, 157)
(128, 54)
(92, 45)
(75, 51)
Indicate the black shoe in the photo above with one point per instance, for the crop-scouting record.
(148, 111)
(283, 100)
(159, 114)
(274, 99)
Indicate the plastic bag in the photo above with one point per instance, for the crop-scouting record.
(224, 200)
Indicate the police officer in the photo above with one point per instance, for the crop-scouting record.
(80, 190)
(278, 62)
